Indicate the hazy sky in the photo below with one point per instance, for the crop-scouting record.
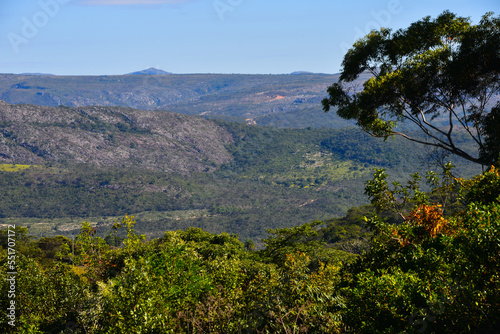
(88, 37)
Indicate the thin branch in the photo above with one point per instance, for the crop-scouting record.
(419, 123)
(422, 115)
(467, 128)
(442, 145)
(450, 121)
(425, 126)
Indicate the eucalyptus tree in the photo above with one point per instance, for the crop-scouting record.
(441, 75)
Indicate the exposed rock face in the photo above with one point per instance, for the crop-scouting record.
(111, 136)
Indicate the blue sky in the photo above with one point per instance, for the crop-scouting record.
(105, 37)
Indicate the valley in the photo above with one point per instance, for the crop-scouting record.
(63, 165)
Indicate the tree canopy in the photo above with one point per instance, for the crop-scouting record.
(441, 75)
(431, 273)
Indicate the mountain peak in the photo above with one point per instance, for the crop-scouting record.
(149, 71)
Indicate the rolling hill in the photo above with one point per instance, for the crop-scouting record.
(111, 136)
(276, 100)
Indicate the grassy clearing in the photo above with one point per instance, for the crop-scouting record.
(71, 225)
(16, 167)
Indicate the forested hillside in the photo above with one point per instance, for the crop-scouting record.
(63, 165)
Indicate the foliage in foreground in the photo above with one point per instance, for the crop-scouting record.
(433, 273)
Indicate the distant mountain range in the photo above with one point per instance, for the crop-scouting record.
(302, 72)
(37, 74)
(276, 100)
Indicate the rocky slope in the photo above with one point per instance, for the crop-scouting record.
(111, 136)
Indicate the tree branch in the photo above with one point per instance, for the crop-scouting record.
(441, 144)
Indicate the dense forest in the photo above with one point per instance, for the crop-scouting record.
(435, 272)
